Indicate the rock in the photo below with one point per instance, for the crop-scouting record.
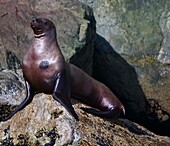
(164, 53)
(12, 91)
(122, 80)
(75, 26)
(131, 57)
(38, 125)
(46, 122)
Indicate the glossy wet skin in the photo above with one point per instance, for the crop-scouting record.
(44, 67)
(45, 70)
(93, 93)
(44, 60)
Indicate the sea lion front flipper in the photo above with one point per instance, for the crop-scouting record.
(61, 93)
(112, 113)
(63, 100)
(24, 103)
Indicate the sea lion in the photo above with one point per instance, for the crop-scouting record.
(45, 70)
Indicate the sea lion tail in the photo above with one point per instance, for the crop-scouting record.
(112, 113)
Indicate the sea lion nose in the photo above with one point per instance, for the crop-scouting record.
(34, 20)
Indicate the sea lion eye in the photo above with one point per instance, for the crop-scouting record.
(45, 22)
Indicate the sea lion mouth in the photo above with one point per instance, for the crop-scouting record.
(39, 35)
(38, 32)
(42, 27)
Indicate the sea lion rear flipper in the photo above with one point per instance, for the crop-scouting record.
(24, 103)
(62, 91)
(112, 113)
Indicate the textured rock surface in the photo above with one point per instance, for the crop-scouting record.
(164, 53)
(46, 122)
(11, 84)
(139, 74)
(12, 90)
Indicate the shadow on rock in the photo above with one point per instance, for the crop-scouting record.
(113, 70)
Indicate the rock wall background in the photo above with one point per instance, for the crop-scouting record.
(124, 44)
(133, 40)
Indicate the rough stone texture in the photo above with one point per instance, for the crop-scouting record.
(46, 122)
(74, 22)
(132, 57)
(12, 91)
(38, 125)
(164, 53)
(11, 84)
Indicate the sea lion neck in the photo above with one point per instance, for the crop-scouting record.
(48, 36)
(45, 43)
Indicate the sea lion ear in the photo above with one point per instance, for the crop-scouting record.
(53, 26)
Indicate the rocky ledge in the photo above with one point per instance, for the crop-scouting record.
(46, 122)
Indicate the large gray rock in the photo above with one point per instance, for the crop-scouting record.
(12, 91)
(132, 57)
(164, 53)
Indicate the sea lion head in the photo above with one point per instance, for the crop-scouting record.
(42, 26)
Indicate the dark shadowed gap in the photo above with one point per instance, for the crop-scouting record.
(111, 69)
